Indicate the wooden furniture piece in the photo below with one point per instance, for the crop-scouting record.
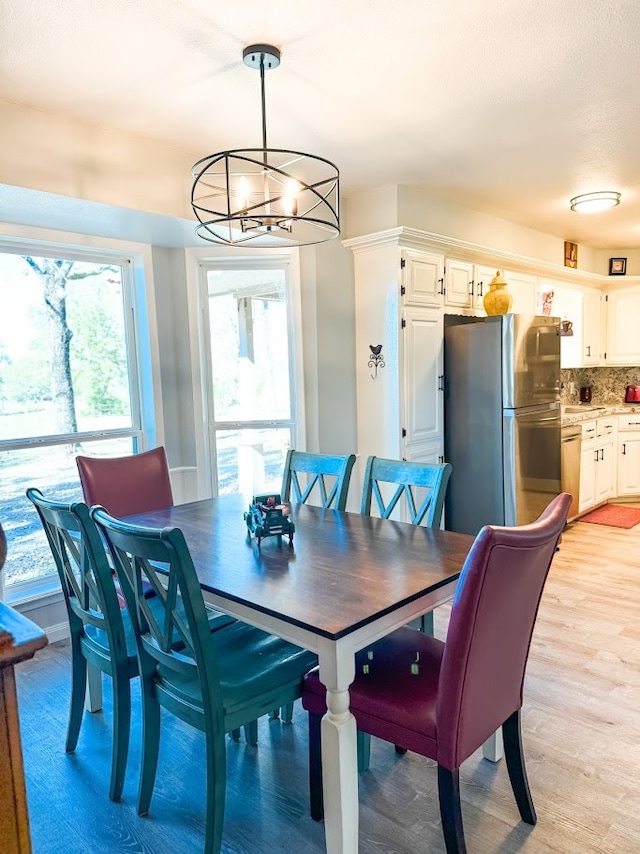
(313, 477)
(20, 639)
(213, 682)
(443, 700)
(348, 581)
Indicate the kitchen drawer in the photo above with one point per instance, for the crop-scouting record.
(588, 431)
(629, 422)
(607, 426)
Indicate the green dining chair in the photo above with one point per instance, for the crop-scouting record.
(216, 682)
(100, 630)
(99, 626)
(137, 483)
(317, 479)
(418, 490)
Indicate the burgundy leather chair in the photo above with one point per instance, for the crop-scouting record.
(443, 700)
(127, 485)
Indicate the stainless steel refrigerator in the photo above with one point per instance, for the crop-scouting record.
(501, 419)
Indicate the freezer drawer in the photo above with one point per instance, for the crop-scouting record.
(532, 468)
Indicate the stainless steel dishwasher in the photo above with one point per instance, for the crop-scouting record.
(571, 436)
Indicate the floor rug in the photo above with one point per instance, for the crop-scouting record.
(613, 515)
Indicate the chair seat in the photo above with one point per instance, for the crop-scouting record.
(251, 663)
(399, 704)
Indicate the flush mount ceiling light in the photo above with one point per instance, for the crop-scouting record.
(265, 197)
(595, 202)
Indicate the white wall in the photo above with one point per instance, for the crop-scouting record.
(415, 208)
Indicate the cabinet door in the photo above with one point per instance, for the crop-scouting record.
(422, 333)
(591, 327)
(587, 477)
(481, 277)
(523, 289)
(567, 304)
(422, 277)
(623, 340)
(629, 464)
(605, 469)
(458, 283)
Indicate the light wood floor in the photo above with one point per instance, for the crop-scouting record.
(581, 733)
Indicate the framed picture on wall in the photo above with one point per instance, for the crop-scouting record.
(570, 254)
(617, 266)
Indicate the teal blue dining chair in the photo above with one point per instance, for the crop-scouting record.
(100, 631)
(417, 490)
(216, 682)
(136, 483)
(99, 626)
(317, 479)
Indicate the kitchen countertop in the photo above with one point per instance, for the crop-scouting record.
(592, 411)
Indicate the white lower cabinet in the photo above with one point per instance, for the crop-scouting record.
(598, 463)
(629, 455)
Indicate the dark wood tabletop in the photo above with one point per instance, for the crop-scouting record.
(343, 571)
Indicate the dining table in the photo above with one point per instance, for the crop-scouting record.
(344, 582)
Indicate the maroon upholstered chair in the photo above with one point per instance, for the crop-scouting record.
(443, 700)
(127, 485)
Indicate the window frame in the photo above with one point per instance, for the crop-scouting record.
(199, 262)
(142, 350)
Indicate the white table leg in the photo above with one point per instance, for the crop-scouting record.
(339, 754)
(493, 748)
(93, 695)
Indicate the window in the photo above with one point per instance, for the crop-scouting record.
(68, 385)
(250, 398)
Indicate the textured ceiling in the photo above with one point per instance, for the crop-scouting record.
(505, 106)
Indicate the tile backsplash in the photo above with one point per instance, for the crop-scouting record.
(607, 384)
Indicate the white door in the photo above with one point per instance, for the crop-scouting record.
(250, 388)
(422, 335)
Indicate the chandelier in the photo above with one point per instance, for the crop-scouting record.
(265, 197)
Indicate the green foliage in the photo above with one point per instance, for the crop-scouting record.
(98, 353)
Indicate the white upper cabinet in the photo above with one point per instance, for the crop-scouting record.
(422, 277)
(623, 332)
(458, 283)
(482, 275)
(523, 290)
(593, 311)
(583, 308)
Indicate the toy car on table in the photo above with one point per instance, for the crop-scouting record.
(267, 516)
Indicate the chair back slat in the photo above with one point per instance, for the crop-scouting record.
(411, 480)
(329, 475)
(490, 629)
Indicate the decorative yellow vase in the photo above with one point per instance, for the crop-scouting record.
(497, 299)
